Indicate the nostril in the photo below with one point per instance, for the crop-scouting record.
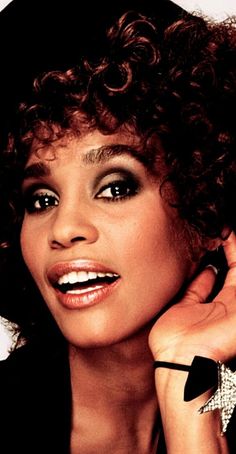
(77, 238)
(62, 244)
(67, 233)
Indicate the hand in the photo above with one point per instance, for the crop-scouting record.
(192, 327)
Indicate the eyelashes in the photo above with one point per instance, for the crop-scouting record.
(118, 190)
(39, 200)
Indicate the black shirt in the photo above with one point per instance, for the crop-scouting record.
(35, 404)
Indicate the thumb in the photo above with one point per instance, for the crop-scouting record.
(201, 287)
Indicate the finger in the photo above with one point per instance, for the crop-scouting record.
(229, 246)
(201, 287)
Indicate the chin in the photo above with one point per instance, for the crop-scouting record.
(81, 338)
(94, 342)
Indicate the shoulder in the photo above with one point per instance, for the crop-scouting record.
(13, 368)
(35, 401)
(32, 370)
(17, 389)
(21, 380)
(22, 365)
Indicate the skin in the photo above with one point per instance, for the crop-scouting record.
(196, 329)
(136, 237)
(112, 344)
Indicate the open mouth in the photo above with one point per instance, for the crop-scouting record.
(78, 282)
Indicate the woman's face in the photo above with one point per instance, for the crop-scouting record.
(105, 250)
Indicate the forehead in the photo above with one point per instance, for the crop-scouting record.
(88, 148)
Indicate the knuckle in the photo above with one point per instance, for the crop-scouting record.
(232, 264)
(194, 296)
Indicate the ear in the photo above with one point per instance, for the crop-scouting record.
(213, 244)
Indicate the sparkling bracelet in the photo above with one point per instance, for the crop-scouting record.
(203, 374)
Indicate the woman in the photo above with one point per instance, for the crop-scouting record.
(117, 196)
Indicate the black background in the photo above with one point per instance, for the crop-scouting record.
(39, 35)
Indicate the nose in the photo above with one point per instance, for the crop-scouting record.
(70, 225)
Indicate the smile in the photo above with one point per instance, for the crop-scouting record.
(77, 282)
(80, 284)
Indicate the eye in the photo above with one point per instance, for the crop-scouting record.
(40, 200)
(118, 190)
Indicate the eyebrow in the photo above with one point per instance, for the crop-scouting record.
(107, 152)
(36, 170)
(94, 156)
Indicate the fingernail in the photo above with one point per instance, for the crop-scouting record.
(213, 268)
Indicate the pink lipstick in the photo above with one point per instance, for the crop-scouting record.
(82, 283)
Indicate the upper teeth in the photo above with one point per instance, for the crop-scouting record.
(82, 276)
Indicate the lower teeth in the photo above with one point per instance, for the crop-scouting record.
(83, 290)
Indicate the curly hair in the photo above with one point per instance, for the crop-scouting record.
(177, 85)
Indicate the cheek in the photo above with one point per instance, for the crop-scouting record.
(152, 237)
(31, 246)
(25, 242)
(156, 254)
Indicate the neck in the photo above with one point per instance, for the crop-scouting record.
(119, 382)
(115, 370)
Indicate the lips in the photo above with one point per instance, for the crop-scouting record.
(82, 283)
